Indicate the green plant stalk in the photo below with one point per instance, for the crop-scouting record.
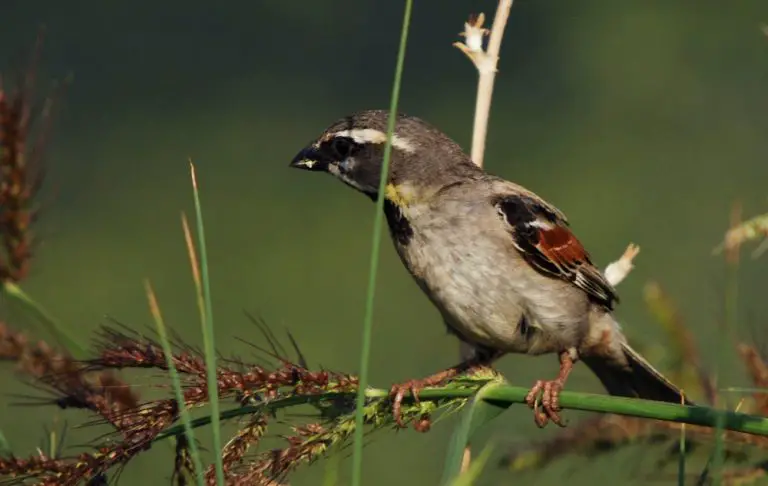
(738, 389)
(208, 334)
(475, 414)
(681, 458)
(469, 477)
(5, 446)
(357, 455)
(186, 418)
(508, 395)
(331, 476)
(48, 321)
(731, 298)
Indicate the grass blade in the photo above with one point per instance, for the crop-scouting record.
(731, 298)
(681, 452)
(5, 446)
(203, 290)
(365, 349)
(331, 475)
(477, 413)
(51, 325)
(471, 475)
(178, 393)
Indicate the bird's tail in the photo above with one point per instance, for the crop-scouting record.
(637, 378)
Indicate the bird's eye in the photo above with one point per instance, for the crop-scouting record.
(342, 147)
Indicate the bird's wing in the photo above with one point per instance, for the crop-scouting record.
(541, 234)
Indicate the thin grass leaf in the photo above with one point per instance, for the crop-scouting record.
(738, 389)
(750, 230)
(203, 290)
(49, 322)
(681, 451)
(365, 349)
(52, 444)
(331, 475)
(731, 299)
(194, 266)
(470, 476)
(5, 446)
(174, 374)
(477, 413)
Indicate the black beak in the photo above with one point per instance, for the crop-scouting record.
(309, 159)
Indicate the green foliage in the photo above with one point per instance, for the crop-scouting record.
(5, 446)
(175, 380)
(561, 132)
(470, 476)
(365, 348)
(203, 291)
(476, 414)
(49, 323)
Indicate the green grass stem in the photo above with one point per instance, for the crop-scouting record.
(509, 395)
(186, 418)
(365, 348)
(681, 458)
(203, 291)
(47, 320)
(5, 446)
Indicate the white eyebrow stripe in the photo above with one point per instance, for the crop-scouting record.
(369, 135)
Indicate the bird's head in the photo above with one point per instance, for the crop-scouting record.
(423, 159)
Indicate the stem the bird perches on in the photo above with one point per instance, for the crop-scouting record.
(509, 395)
(262, 391)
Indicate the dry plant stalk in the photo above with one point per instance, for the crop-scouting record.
(687, 369)
(753, 229)
(758, 371)
(609, 432)
(101, 392)
(485, 61)
(21, 175)
(74, 387)
(91, 385)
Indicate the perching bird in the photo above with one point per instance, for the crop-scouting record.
(499, 263)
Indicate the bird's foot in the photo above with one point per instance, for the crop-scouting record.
(398, 392)
(547, 408)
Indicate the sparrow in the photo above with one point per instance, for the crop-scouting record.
(499, 263)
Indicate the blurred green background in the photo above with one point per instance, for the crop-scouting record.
(642, 120)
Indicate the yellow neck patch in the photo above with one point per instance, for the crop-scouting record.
(404, 195)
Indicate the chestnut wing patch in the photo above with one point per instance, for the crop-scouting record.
(543, 238)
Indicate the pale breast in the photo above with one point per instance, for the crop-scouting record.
(464, 260)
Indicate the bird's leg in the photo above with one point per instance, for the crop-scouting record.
(550, 394)
(398, 391)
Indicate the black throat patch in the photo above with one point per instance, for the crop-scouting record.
(399, 227)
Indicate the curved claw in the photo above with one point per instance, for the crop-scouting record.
(550, 401)
(548, 408)
(532, 397)
(397, 393)
(539, 417)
